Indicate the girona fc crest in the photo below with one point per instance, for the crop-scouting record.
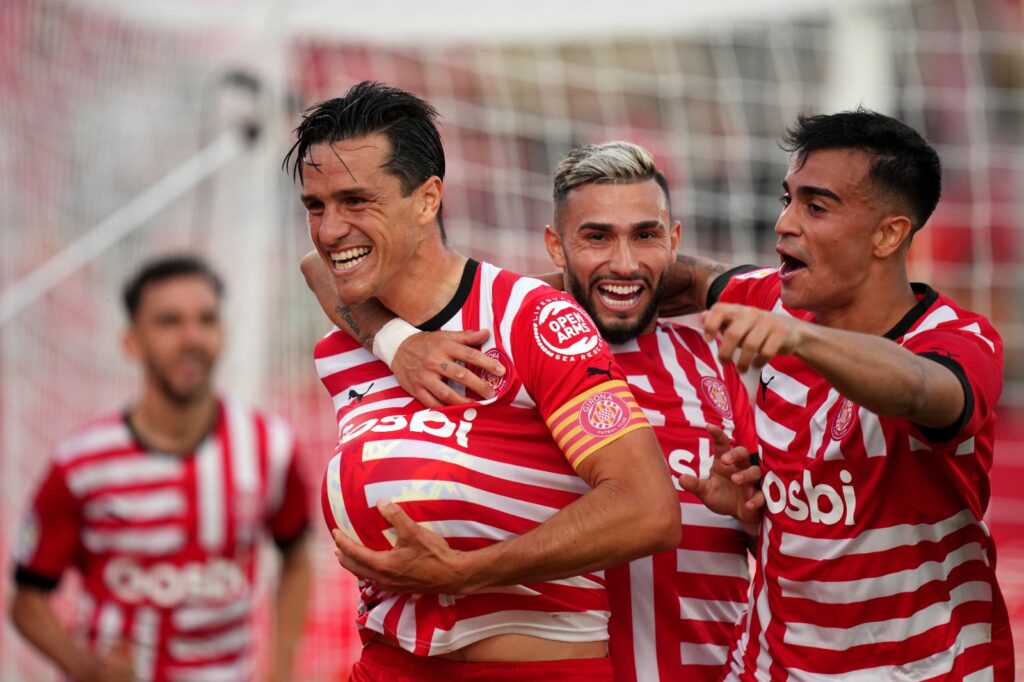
(716, 394)
(604, 414)
(497, 383)
(843, 420)
(563, 331)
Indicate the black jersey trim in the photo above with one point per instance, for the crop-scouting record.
(24, 577)
(284, 545)
(458, 300)
(946, 433)
(928, 297)
(722, 281)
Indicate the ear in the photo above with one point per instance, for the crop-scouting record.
(553, 242)
(674, 233)
(130, 343)
(428, 197)
(891, 234)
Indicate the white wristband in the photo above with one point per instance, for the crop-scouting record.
(390, 337)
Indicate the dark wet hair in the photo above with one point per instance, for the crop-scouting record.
(903, 165)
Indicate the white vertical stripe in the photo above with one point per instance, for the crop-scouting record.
(641, 595)
(691, 402)
(706, 370)
(109, 626)
(764, 613)
(640, 381)
(145, 639)
(818, 425)
(210, 497)
(244, 481)
(519, 291)
(488, 273)
(280, 447)
(337, 500)
(874, 437)
(630, 346)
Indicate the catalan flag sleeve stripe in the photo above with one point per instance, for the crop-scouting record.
(596, 417)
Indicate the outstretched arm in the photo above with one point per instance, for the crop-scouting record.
(424, 361)
(872, 371)
(631, 511)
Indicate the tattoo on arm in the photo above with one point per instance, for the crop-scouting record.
(365, 340)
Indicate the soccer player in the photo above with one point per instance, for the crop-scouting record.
(160, 508)
(673, 613)
(875, 415)
(552, 469)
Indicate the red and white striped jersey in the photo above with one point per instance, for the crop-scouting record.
(166, 543)
(674, 613)
(874, 561)
(483, 472)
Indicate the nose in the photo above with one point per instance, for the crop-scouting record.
(330, 227)
(623, 262)
(786, 225)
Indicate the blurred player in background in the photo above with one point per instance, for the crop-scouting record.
(876, 409)
(552, 434)
(673, 613)
(160, 509)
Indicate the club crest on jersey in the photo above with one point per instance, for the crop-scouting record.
(715, 393)
(563, 330)
(842, 421)
(604, 414)
(496, 383)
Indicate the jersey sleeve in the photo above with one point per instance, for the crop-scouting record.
(975, 357)
(569, 371)
(289, 521)
(746, 285)
(48, 538)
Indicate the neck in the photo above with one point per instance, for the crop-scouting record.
(170, 426)
(427, 284)
(875, 309)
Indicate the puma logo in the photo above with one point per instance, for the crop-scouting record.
(764, 384)
(594, 371)
(353, 394)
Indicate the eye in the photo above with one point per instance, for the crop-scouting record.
(594, 237)
(785, 199)
(645, 235)
(355, 201)
(815, 208)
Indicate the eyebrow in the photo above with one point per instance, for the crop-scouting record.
(339, 194)
(812, 191)
(607, 227)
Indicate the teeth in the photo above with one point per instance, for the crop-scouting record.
(621, 290)
(349, 258)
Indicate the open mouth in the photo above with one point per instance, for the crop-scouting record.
(350, 258)
(790, 265)
(620, 295)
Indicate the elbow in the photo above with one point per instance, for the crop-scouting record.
(660, 528)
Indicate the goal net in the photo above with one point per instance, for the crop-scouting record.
(124, 133)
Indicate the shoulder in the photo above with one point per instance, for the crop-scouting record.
(944, 316)
(97, 437)
(244, 417)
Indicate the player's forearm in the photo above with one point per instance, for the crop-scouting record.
(686, 284)
(878, 374)
(610, 525)
(36, 620)
(292, 605)
(361, 322)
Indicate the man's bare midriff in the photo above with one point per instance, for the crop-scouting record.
(518, 648)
